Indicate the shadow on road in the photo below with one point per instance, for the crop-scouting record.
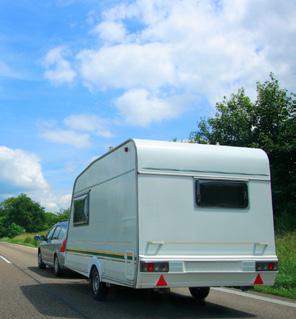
(48, 273)
(74, 301)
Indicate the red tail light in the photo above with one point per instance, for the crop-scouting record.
(63, 247)
(154, 266)
(266, 266)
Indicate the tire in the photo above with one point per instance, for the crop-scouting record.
(41, 264)
(98, 288)
(58, 271)
(199, 293)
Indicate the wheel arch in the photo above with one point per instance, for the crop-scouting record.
(94, 262)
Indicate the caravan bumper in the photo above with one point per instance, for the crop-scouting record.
(207, 273)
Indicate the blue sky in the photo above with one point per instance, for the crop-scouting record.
(78, 76)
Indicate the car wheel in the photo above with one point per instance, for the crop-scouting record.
(41, 264)
(199, 293)
(98, 288)
(56, 267)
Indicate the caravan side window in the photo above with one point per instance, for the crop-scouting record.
(221, 193)
(81, 210)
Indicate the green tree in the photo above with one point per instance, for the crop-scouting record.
(14, 230)
(22, 211)
(51, 218)
(63, 214)
(268, 123)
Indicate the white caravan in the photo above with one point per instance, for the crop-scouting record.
(151, 214)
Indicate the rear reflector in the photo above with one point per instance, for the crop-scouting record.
(161, 282)
(258, 280)
(63, 247)
(154, 267)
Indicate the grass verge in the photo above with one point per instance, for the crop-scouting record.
(285, 284)
(26, 239)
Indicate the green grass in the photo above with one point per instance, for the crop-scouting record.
(285, 284)
(26, 239)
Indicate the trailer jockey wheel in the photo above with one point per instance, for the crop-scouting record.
(98, 288)
(199, 293)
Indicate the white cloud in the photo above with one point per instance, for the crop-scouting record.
(110, 31)
(104, 133)
(89, 123)
(191, 48)
(55, 203)
(142, 108)
(58, 69)
(127, 66)
(69, 137)
(77, 130)
(85, 122)
(21, 169)
(22, 172)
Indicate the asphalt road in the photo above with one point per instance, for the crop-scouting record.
(27, 292)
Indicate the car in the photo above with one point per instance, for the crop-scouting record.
(51, 248)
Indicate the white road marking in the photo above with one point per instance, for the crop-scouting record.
(257, 297)
(6, 260)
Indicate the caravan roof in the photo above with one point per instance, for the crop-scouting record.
(191, 157)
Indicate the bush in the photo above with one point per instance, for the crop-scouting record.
(30, 240)
(14, 230)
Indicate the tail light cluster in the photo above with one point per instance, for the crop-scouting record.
(154, 266)
(266, 265)
(63, 247)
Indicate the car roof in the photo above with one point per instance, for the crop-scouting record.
(63, 223)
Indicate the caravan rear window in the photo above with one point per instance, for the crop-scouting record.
(81, 210)
(221, 193)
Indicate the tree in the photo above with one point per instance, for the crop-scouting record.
(63, 214)
(24, 212)
(14, 230)
(51, 219)
(268, 123)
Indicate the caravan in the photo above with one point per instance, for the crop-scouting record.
(151, 214)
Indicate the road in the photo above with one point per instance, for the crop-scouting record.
(27, 292)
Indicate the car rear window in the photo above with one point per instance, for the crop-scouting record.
(56, 233)
(221, 193)
(62, 233)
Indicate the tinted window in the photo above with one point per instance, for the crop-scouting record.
(49, 234)
(56, 233)
(81, 210)
(215, 193)
(62, 233)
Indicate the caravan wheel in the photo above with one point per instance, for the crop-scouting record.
(98, 288)
(199, 293)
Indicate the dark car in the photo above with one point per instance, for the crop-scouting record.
(51, 248)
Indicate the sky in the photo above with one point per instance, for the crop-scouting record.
(79, 76)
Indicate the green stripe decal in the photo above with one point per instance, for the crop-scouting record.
(99, 253)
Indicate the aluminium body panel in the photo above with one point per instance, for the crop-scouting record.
(205, 246)
(109, 240)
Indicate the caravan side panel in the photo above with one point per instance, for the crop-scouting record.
(109, 240)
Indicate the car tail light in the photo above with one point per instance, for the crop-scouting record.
(154, 266)
(266, 265)
(63, 247)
